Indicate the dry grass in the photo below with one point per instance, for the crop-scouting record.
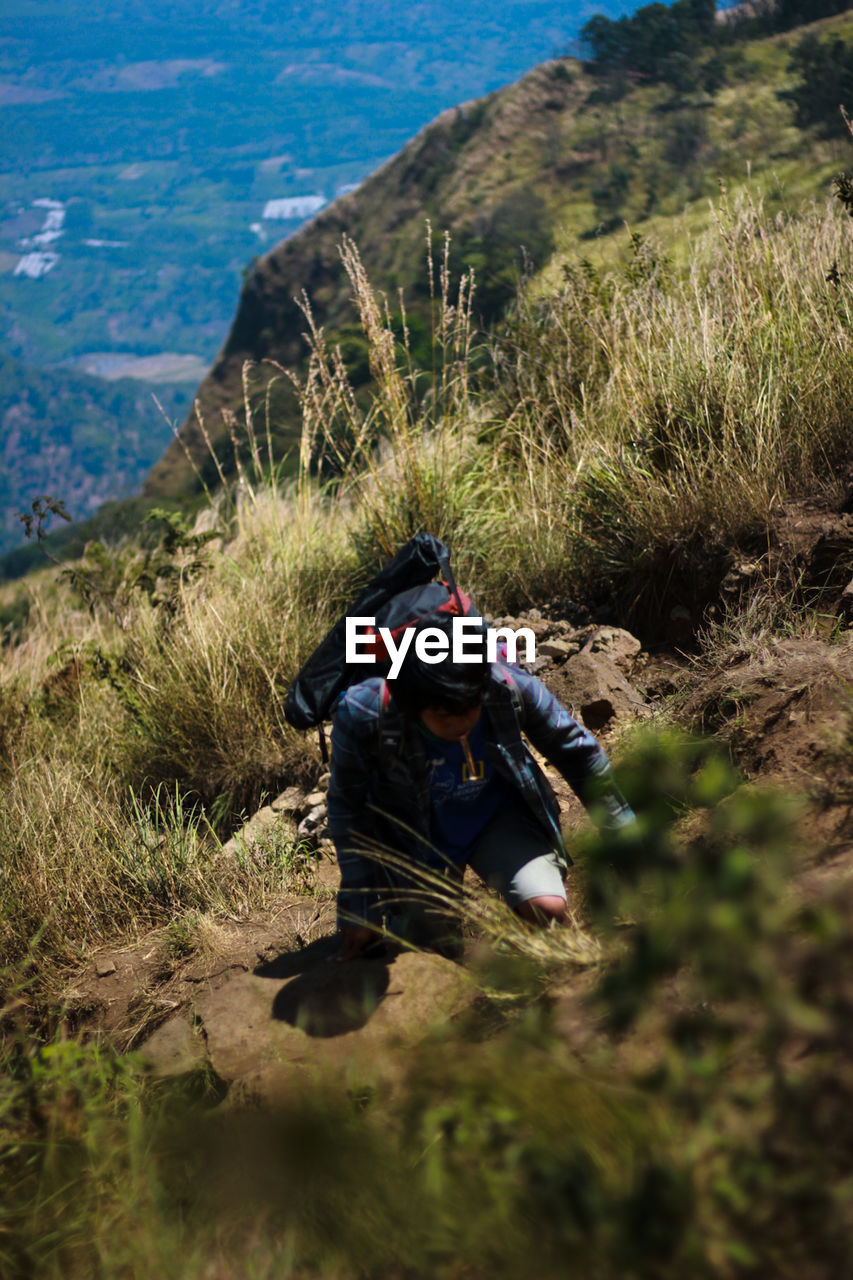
(123, 745)
(652, 413)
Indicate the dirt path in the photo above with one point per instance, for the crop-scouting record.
(262, 999)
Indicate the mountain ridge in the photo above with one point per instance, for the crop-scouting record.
(545, 163)
(438, 178)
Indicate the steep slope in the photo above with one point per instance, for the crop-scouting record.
(559, 159)
(476, 172)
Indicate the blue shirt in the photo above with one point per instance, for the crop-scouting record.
(462, 800)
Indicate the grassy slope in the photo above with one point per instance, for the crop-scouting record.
(745, 132)
(642, 428)
(545, 136)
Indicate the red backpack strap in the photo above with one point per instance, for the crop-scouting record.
(506, 677)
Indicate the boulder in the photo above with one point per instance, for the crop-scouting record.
(290, 801)
(619, 645)
(298, 1013)
(176, 1048)
(594, 690)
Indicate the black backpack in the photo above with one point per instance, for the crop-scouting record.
(402, 594)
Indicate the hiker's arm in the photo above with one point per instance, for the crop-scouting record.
(571, 749)
(350, 821)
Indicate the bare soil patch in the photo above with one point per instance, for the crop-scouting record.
(786, 712)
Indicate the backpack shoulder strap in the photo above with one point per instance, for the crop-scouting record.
(390, 727)
(507, 695)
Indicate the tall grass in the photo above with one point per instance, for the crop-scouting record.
(654, 415)
(406, 456)
(205, 687)
(171, 723)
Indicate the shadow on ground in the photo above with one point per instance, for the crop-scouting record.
(322, 998)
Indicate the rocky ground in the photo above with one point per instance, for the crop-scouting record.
(245, 1003)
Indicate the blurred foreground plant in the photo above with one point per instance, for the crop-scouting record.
(736, 993)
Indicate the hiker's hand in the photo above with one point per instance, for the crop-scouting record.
(355, 939)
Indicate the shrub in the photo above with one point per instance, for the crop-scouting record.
(825, 82)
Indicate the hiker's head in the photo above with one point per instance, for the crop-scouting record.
(446, 695)
(451, 725)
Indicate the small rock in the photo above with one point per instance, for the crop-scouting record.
(314, 799)
(251, 831)
(619, 645)
(313, 822)
(323, 781)
(561, 607)
(739, 576)
(289, 801)
(556, 649)
(103, 968)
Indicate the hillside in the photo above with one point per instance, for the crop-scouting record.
(557, 163)
(148, 154)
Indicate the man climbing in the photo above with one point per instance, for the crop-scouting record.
(430, 774)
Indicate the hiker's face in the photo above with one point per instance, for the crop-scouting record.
(450, 725)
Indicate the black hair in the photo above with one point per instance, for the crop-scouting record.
(453, 686)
